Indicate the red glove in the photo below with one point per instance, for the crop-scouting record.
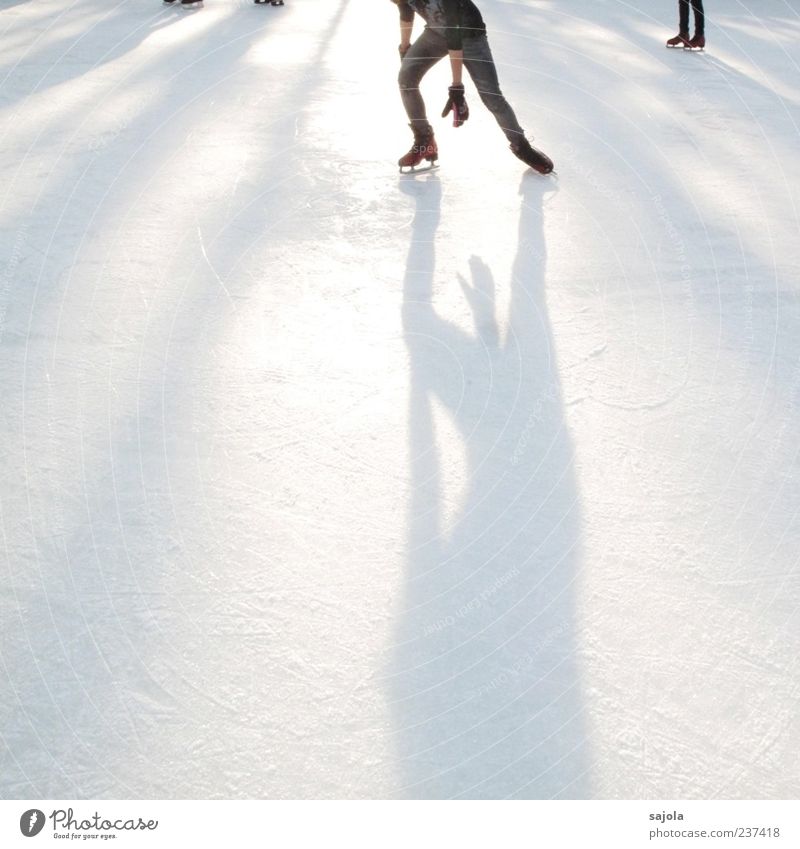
(457, 104)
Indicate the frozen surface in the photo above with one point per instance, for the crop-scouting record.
(318, 481)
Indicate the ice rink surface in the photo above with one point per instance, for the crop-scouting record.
(318, 481)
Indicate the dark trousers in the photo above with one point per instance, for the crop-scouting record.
(699, 16)
(431, 47)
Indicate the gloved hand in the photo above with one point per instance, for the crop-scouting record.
(403, 49)
(457, 104)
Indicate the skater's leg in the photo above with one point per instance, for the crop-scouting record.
(423, 54)
(480, 66)
(683, 16)
(699, 17)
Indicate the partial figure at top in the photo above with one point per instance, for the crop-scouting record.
(698, 40)
(198, 4)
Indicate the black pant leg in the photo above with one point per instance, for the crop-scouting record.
(699, 17)
(683, 15)
(424, 53)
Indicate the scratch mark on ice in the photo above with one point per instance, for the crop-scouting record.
(213, 270)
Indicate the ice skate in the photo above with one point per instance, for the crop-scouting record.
(537, 160)
(697, 43)
(424, 148)
(680, 40)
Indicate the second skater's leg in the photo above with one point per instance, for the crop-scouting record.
(683, 16)
(698, 41)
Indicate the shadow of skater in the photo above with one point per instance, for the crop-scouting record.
(483, 678)
(60, 59)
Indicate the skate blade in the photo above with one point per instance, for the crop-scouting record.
(543, 171)
(416, 169)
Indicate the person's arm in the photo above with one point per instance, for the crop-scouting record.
(405, 35)
(456, 65)
(453, 12)
(406, 26)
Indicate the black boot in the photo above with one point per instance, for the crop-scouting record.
(537, 160)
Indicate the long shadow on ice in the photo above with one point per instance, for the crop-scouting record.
(115, 681)
(54, 62)
(484, 679)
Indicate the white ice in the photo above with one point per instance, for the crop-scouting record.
(320, 481)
